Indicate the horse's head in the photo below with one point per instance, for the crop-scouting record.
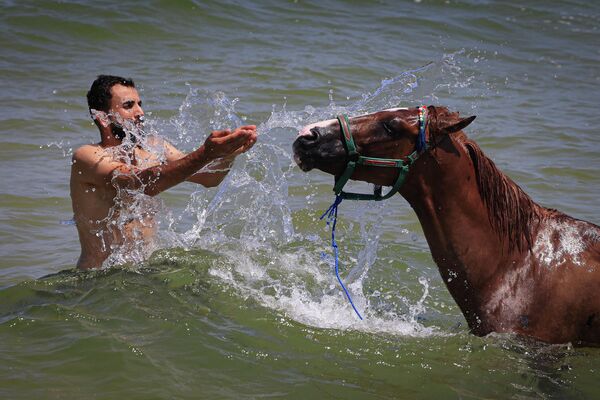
(392, 134)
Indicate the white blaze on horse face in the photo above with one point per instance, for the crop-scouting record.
(386, 110)
(396, 109)
(327, 123)
(321, 124)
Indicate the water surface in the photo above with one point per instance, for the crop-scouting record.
(240, 302)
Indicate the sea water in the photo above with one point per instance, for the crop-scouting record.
(239, 299)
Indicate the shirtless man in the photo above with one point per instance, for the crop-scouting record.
(106, 176)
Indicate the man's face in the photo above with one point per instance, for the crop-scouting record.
(126, 104)
(125, 110)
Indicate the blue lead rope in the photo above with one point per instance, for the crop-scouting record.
(331, 215)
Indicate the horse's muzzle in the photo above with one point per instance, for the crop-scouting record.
(302, 154)
(316, 145)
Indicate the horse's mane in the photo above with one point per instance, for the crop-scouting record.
(512, 213)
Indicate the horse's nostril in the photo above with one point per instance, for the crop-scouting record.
(309, 138)
(314, 134)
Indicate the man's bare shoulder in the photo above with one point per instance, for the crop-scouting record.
(93, 163)
(89, 153)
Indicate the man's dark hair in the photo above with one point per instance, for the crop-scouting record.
(99, 95)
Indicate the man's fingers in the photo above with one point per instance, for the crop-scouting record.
(225, 132)
(221, 133)
(225, 136)
(231, 142)
(246, 146)
(226, 142)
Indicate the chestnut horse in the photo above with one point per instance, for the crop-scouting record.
(510, 264)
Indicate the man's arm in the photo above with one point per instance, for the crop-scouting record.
(213, 173)
(96, 167)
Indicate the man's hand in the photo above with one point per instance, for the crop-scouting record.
(228, 144)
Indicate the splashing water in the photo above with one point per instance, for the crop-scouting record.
(248, 219)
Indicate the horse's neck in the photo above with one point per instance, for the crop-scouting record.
(469, 252)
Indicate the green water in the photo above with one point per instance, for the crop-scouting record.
(239, 302)
(170, 330)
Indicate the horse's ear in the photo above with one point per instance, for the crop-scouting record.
(460, 125)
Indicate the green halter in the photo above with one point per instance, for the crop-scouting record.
(355, 159)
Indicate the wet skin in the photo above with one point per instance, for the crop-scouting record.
(99, 177)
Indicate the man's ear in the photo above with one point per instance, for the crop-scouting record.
(100, 117)
(460, 125)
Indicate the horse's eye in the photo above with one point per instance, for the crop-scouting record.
(387, 128)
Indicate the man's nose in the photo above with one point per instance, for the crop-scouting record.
(138, 111)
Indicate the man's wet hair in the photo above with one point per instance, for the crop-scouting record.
(99, 95)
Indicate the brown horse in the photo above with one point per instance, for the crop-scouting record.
(510, 264)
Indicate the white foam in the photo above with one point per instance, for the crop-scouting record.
(320, 304)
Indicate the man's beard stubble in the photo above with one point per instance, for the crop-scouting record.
(134, 134)
(117, 131)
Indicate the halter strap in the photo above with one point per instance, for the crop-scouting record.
(354, 159)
